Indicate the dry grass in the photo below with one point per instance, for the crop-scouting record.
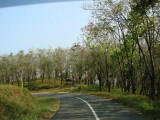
(18, 104)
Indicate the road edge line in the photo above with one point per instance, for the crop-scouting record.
(94, 113)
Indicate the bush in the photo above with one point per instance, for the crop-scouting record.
(15, 103)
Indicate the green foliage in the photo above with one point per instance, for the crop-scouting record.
(37, 84)
(143, 104)
(142, 6)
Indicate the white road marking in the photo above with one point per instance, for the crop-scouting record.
(94, 113)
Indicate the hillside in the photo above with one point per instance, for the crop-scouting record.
(18, 104)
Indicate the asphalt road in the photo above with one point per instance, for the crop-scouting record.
(88, 107)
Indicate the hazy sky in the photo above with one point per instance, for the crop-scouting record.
(41, 26)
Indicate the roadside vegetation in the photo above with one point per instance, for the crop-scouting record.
(140, 103)
(18, 104)
(52, 86)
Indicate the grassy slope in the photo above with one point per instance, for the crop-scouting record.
(47, 108)
(18, 104)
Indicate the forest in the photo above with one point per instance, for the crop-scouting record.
(119, 48)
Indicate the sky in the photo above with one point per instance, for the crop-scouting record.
(41, 26)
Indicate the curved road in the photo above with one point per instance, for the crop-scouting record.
(89, 107)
